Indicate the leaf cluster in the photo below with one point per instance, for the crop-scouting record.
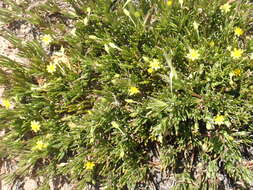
(88, 112)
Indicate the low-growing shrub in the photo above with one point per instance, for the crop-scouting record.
(123, 94)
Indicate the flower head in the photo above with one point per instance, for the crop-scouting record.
(150, 70)
(169, 3)
(89, 165)
(193, 54)
(219, 119)
(236, 53)
(35, 126)
(40, 145)
(237, 72)
(51, 68)
(238, 31)
(133, 90)
(212, 43)
(154, 64)
(46, 39)
(6, 103)
(225, 8)
(137, 14)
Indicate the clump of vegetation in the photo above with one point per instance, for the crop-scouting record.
(116, 93)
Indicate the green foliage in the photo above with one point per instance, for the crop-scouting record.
(123, 91)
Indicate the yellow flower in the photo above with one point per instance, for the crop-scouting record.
(35, 125)
(51, 68)
(219, 119)
(212, 43)
(236, 53)
(237, 72)
(6, 103)
(193, 54)
(137, 14)
(169, 3)
(238, 31)
(150, 70)
(46, 39)
(40, 145)
(154, 64)
(89, 165)
(225, 8)
(133, 90)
